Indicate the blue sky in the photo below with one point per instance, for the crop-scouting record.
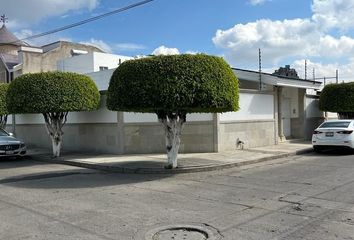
(287, 31)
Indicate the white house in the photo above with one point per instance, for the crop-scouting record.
(280, 110)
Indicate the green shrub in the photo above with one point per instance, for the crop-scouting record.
(192, 83)
(338, 98)
(3, 92)
(52, 92)
(171, 87)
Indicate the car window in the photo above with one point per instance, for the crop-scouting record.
(3, 133)
(335, 125)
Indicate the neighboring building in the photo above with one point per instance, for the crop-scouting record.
(85, 62)
(9, 46)
(18, 57)
(286, 72)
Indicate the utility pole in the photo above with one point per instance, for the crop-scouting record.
(260, 68)
(313, 74)
(337, 76)
(305, 69)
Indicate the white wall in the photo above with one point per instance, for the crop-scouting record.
(102, 115)
(79, 64)
(293, 95)
(101, 78)
(107, 60)
(253, 106)
(90, 62)
(312, 108)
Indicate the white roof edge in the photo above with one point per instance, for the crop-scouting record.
(276, 80)
(31, 49)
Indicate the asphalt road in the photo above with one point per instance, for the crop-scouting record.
(301, 197)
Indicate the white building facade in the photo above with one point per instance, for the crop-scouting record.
(279, 111)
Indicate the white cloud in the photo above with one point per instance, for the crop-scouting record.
(333, 13)
(162, 50)
(128, 47)
(257, 2)
(277, 39)
(296, 38)
(21, 12)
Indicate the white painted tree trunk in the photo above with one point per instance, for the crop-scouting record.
(173, 124)
(3, 121)
(54, 124)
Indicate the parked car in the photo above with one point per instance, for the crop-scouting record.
(332, 133)
(10, 146)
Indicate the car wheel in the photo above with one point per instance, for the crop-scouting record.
(317, 149)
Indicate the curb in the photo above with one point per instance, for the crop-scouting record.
(118, 169)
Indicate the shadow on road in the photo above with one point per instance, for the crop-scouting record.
(83, 178)
(336, 151)
(13, 162)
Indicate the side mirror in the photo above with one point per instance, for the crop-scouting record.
(11, 134)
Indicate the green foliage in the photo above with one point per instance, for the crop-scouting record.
(338, 98)
(191, 83)
(52, 92)
(3, 91)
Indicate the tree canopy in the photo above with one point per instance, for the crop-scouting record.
(52, 92)
(3, 92)
(338, 98)
(192, 83)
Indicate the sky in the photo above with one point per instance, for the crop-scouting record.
(286, 31)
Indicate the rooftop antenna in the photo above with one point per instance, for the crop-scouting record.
(3, 19)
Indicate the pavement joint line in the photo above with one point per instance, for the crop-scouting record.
(189, 169)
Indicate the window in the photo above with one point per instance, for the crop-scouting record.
(102, 68)
(335, 125)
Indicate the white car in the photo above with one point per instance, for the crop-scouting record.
(10, 146)
(334, 133)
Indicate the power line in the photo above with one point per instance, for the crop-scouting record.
(82, 22)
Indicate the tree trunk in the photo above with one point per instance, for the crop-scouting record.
(54, 124)
(172, 123)
(3, 121)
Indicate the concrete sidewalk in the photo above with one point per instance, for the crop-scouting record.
(190, 162)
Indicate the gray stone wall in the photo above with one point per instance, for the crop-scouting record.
(298, 124)
(149, 138)
(253, 133)
(105, 137)
(93, 138)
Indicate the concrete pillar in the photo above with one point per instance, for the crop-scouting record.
(280, 115)
(276, 114)
(216, 133)
(121, 138)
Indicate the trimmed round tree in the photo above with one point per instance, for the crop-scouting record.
(3, 106)
(53, 94)
(172, 86)
(338, 98)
